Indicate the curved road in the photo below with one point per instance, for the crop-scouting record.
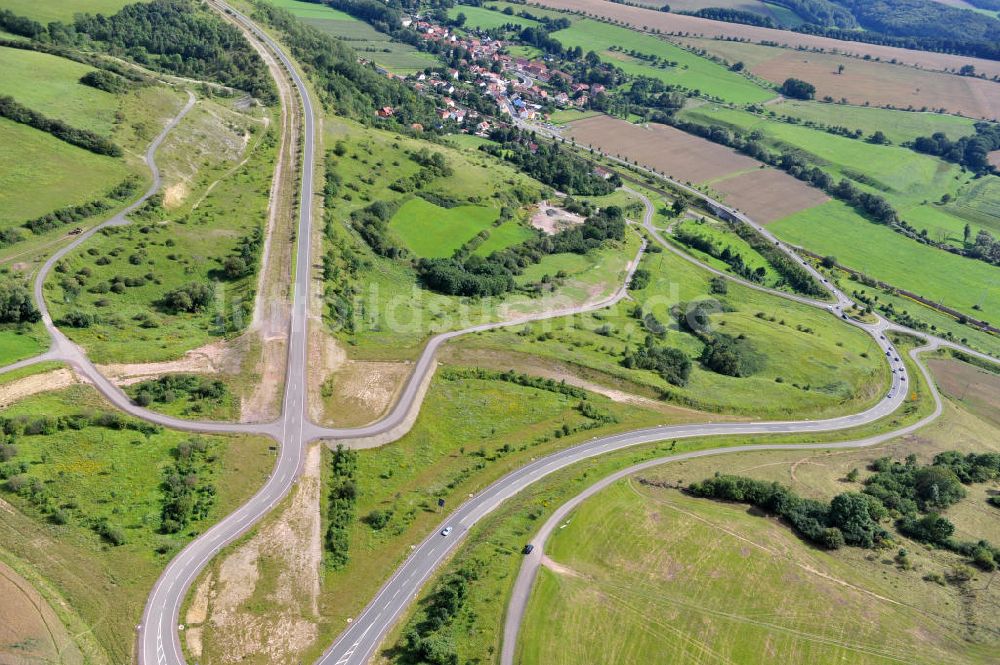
(158, 636)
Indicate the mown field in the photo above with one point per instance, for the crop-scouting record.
(431, 231)
(487, 19)
(370, 43)
(108, 473)
(19, 342)
(691, 71)
(862, 82)
(835, 229)
(114, 288)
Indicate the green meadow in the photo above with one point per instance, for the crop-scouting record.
(691, 71)
(486, 19)
(51, 85)
(432, 232)
(20, 342)
(63, 10)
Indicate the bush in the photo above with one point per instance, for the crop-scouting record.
(797, 89)
(16, 305)
(192, 297)
(671, 364)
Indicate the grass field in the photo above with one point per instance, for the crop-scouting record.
(691, 71)
(486, 19)
(643, 570)
(63, 10)
(822, 372)
(833, 229)
(898, 126)
(17, 342)
(369, 42)
(432, 232)
(39, 173)
(51, 85)
(117, 474)
(506, 235)
(209, 204)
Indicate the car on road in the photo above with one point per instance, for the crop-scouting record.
(75, 232)
(529, 548)
(445, 531)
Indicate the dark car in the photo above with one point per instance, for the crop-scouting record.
(529, 548)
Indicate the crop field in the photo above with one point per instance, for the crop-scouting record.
(770, 194)
(691, 72)
(63, 10)
(862, 81)
(648, 19)
(39, 174)
(834, 229)
(117, 474)
(51, 85)
(210, 205)
(369, 42)
(432, 232)
(898, 126)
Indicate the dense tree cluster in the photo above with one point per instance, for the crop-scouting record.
(341, 509)
(424, 639)
(727, 254)
(671, 364)
(372, 222)
(972, 152)
(550, 164)
(83, 138)
(169, 388)
(16, 305)
(792, 274)
(192, 297)
(184, 38)
(731, 356)
(850, 518)
(106, 81)
(797, 89)
(187, 497)
(820, 12)
(731, 15)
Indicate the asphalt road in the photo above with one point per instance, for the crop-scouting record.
(158, 632)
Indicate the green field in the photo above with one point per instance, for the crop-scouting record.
(647, 570)
(898, 126)
(39, 174)
(835, 229)
(51, 85)
(691, 72)
(113, 473)
(565, 116)
(213, 203)
(722, 237)
(366, 40)
(506, 235)
(486, 19)
(432, 232)
(20, 342)
(63, 10)
(910, 181)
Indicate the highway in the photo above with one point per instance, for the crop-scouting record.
(158, 632)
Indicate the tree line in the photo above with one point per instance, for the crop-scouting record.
(82, 138)
(972, 152)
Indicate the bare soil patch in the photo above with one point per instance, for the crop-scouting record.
(678, 154)
(174, 195)
(769, 194)
(360, 392)
(262, 403)
(214, 358)
(648, 19)
(30, 631)
(976, 389)
(994, 158)
(34, 384)
(551, 219)
(326, 356)
(262, 599)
